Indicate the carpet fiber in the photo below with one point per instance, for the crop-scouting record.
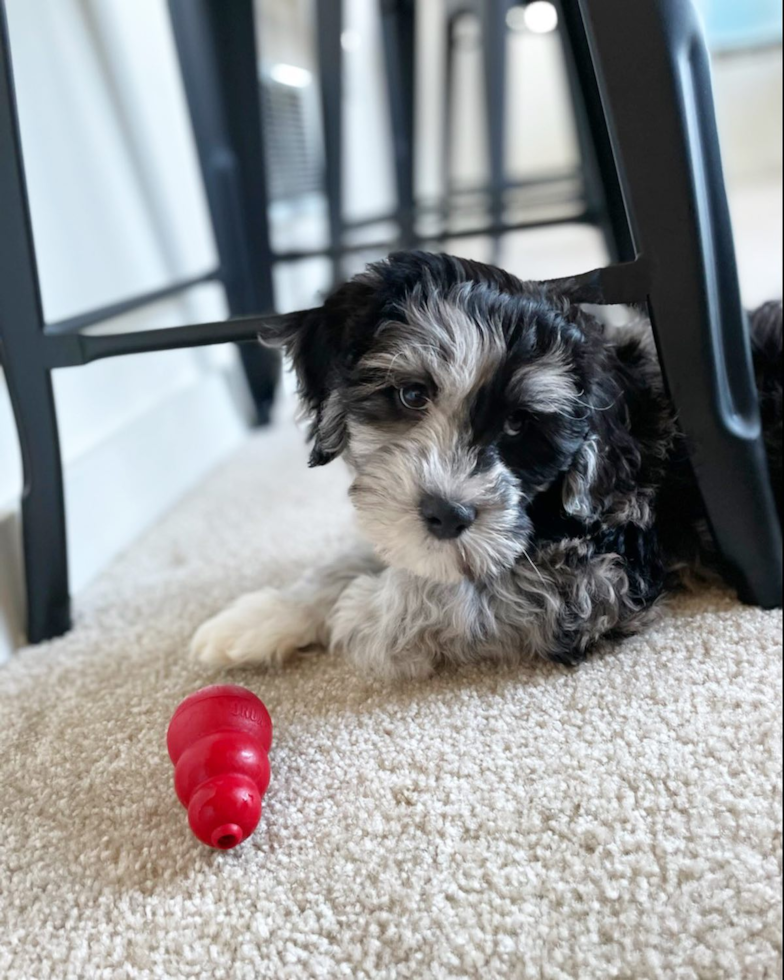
(618, 820)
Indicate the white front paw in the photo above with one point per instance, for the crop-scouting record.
(263, 627)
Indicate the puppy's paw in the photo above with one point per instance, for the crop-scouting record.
(264, 627)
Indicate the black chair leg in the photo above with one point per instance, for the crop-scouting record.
(493, 21)
(601, 186)
(44, 542)
(262, 369)
(448, 119)
(329, 27)
(655, 82)
(216, 46)
(398, 29)
(29, 383)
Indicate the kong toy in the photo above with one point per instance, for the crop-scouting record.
(218, 740)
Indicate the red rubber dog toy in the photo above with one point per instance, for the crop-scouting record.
(218, 740)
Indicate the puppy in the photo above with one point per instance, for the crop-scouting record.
(517, 471)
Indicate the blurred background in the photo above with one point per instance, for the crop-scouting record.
(118, 208)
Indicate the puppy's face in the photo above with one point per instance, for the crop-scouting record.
(455, 419)
(455, 403)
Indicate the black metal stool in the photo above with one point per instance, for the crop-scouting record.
(425, 223)
(492, 16)
(397, 19)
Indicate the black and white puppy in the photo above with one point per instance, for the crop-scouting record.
(518, 472)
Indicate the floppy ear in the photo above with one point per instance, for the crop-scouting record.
(316, 353)
(602, 479)
(616, 472)
(580, 498)
(606, 481)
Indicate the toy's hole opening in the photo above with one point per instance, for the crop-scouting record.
(226, 836)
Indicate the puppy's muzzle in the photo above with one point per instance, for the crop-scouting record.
(445, 519)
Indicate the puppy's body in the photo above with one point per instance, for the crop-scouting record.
(517, 470)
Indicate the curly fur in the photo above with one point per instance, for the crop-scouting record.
(553, 429)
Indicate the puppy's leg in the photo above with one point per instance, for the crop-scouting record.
(268, 626)
(398, 626)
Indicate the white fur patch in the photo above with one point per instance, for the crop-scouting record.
(264, 627)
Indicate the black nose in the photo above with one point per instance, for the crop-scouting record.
(444, 519)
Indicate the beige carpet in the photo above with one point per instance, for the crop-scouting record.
(620, 820)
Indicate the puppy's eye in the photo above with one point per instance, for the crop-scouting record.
(414, 397)
(516, 423)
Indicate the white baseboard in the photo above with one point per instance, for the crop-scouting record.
(119, 487)
(11, 591)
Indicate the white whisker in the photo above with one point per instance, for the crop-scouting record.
(530, 562)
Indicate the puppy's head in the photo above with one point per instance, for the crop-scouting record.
(458, 395)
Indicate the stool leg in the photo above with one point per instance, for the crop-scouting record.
(655, 81)
(216, 46)
(494, 65)
(602, 189)
(448, 122)
(262, 369)
(329, 27)
(43, 511)
(22, 354)
(398, 29)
